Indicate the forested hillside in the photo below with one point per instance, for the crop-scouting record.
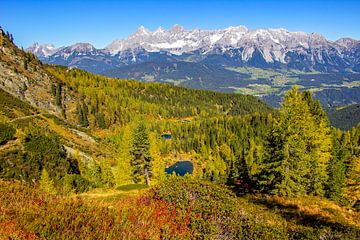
(119, 101)
(84, 156)
(344, 117)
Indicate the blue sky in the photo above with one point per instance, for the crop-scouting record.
(99, 22)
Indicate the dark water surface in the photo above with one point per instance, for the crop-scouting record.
(180, 168)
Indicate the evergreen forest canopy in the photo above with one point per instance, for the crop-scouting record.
(110, 135)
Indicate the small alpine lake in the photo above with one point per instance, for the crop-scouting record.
(180, 168)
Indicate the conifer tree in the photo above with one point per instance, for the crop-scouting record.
(352, 188)
(253, 160)
(92, 172)
(67, 187)
(216, 169)
(46, 184)
(58, 92)
(123, 170)
(336, 172)
(82, 111)
(25, 63)
(141, 158)
(320, 147)
(291, 148)
(158, 166)
(107, 177)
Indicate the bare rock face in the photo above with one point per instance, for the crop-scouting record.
(23, 76)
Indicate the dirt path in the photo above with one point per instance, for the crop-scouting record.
(9, 144)
(25, 117)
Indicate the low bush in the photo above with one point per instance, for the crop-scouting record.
(180, 208)
(215, 211)
(7, 132)
(31, 214)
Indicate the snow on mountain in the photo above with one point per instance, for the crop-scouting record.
(176, 40)
(240, 45)
(77, 49)
(347, 42)
(42, 51)
(273, 44)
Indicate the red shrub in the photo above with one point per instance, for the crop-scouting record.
(10, 230)
(147, 218)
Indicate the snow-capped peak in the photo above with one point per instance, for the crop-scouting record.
(240, 28)
(177, 28)
(159, 30)
(43, 50)
(142, 31)
(178, 40)
(273, 44)
(347, 42)
(82, 47)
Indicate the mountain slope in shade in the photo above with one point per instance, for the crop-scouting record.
(344, 118)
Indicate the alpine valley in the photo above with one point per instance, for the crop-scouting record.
(89, 152)
(261, 62)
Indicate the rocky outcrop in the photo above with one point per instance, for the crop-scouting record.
(23, 76)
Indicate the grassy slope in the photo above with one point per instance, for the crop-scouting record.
(27, 213)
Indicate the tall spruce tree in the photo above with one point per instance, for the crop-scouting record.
(123, 170)
(140, 151)
(298, 148)
(107, 176)
(320, 147)
(336, 171)
(352, 189)
(82, 111)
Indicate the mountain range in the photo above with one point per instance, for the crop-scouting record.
(232, 46)
(227, 60)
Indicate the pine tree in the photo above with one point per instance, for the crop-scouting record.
(123, 167)
(253, 160)
(82, 112)
(58, 92)
(46, 184)
(92, 172)
(100, 120)
(25, 63)
(158, 166)
(107, 177)
(336, 172)
(141, 158)
(67, 187)
(290, 148)
(320, 147)
(352, 189)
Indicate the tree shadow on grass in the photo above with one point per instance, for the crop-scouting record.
(131, 187)
(292, 213)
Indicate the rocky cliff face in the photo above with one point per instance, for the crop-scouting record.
(22, 75)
